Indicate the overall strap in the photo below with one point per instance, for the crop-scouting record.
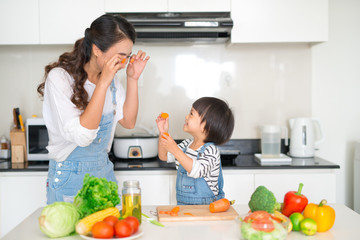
(202, 149)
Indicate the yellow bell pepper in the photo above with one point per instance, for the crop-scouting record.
(323, 215)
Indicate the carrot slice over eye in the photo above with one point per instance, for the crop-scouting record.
(124, 60)
(164, 115)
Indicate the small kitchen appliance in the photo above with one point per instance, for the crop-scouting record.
(306, 134)
(135, 147)
(37, 139)
(271, 146)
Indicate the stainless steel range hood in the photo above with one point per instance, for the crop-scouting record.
(204, 27)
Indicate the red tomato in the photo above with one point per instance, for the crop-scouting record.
(265, 225)
(134, 223)
(257, 215)
(111, 220)
(102, 230)
(122, 229)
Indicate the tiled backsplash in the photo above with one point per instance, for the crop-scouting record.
(263, 83)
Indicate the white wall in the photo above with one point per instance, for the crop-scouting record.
(263, 83)
(336, 91)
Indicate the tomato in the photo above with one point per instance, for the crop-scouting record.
(265, 225)
(134, 223)
(257, 215)
(102, 230)
(122, 229)
(111, 220)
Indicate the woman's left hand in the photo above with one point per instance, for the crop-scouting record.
(136, 65)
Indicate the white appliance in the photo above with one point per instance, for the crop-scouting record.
(306, 134)
(37, 139)
(357, 178)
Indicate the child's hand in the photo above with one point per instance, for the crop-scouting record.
(162, 124)
(168, 143)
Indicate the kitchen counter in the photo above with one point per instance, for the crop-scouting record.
(345, 227)
(240, 162)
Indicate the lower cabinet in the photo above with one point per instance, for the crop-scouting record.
(20, 195)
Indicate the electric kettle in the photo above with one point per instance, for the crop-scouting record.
(305, 135)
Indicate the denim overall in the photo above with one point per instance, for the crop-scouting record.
(195, 191)
(65, 178)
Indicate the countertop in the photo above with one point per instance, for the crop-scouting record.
(345, 227)
(240, 162)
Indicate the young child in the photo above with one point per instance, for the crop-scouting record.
(199, 174)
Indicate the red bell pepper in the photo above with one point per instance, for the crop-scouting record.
(294, 202)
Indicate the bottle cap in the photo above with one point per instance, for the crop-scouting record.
(132, 184)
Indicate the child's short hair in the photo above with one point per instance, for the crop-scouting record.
(218, 118)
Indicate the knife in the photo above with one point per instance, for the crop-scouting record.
(153, 221)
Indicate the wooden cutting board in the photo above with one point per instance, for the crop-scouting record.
(199, 213)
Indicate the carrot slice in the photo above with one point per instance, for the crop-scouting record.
(189, 214)
(175, 209)
(164, 115)
(165, 133)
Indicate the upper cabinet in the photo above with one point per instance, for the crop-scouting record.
(167, 6)
(19, 22)
(279, 21)
(65, 21)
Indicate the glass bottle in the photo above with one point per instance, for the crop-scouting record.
(131, 199)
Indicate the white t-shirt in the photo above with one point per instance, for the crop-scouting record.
(62, 118)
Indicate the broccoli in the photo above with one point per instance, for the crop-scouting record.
(96, 194)
(263, 199)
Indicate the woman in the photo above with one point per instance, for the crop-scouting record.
(83, 100)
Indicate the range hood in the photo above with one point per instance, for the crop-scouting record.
(204, 27)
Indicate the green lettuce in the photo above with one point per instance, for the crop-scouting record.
(95, 195)
(58, 219)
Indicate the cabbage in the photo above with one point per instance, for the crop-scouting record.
(58, 219)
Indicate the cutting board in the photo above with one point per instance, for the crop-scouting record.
(199, 213)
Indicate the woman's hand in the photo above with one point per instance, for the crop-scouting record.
(110, 68)
(162, 124)
(136, 65)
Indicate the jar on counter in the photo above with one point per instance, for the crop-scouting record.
(131, 199)
(4, 148)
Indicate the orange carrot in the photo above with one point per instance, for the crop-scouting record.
(132, 60)
(164, 115)
(187, 213)
(220, 205)
(165, 133)
(175, 209)
(124, 60)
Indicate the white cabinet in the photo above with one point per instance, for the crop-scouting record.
(65, 21)
(167, 6)
(279, 21)
(318, 184)
(19, 21)
(20, 195)
(155, 185)
(136, 6)
(238, 186)
(199, 6)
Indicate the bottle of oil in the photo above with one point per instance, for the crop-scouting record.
(131, 199)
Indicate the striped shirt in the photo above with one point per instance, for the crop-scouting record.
(207, 166)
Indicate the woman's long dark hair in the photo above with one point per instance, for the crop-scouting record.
(104, 32)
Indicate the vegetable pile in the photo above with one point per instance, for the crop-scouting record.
(306, 218)
(95, 195)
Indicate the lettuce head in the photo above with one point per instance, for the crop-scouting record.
(95, 195)
(58, 219)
